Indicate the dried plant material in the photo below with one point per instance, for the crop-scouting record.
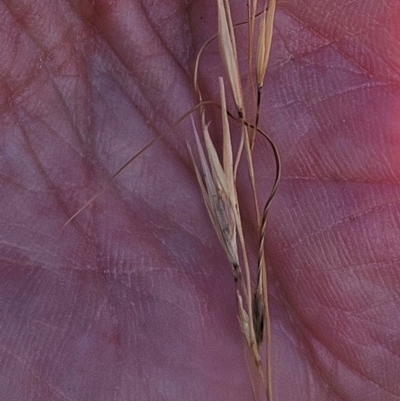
(251, 16)
(264, 42)
(251, 21)
(227, 156)
(134, 157)
(259, 309)
(261, 293)
(217, 181)
(218, 189)
(227, 44)
(247, 329)
(219, 208)
(216, 177)
(196, 66)
(264, 219)
(244, 320)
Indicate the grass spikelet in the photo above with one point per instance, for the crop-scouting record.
(218, 188)
(264, 42)
(227, 44)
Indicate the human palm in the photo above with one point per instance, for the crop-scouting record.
(134, 299)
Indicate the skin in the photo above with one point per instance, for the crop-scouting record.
(134, 299)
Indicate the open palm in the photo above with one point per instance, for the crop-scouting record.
(134, 299)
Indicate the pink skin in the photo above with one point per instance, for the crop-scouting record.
(134, 299)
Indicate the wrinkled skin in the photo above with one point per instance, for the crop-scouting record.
(134, 299)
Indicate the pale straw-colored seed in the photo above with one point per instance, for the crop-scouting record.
(227, 45)
(247, 329)
(244, 320)
(264, 42)
(227, 156)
